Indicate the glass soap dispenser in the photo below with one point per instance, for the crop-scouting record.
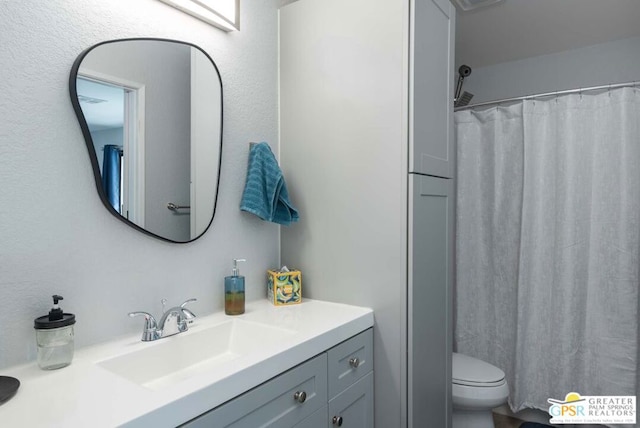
(54, 337)
(234, 291)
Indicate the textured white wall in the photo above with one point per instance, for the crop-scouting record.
(55, 235)
(601, 64)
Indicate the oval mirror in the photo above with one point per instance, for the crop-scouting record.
(151, 114)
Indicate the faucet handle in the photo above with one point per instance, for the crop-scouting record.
(150, 325)
(188, 301)
(149, 319)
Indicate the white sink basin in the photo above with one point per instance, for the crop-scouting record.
(174, 359)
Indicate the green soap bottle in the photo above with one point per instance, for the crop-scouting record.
(234, 291)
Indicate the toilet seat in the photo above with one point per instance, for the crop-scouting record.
(469, 371)
(479, 384)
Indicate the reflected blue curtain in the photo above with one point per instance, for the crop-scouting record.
(111, 174)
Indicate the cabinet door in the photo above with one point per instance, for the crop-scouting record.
(274, 403)
(353, 408)
(430, 305)
(317, 420)
(431, 88)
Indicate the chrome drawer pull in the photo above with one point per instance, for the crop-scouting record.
(337, 420)
(300, 396)
(354, 362)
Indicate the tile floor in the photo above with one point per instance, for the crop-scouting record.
(502, 421)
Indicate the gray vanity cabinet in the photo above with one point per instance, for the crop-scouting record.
(431, 98)
(301, 397)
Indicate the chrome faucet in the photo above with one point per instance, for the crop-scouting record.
(173, 321)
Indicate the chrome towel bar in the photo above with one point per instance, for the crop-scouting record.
(174, 207)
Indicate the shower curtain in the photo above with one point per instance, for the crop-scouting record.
(548, 241)
(111, 174)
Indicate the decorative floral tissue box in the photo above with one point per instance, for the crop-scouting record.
(284, 286)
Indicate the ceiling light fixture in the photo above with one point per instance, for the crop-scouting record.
(224, 14)
(90, 100)
(467, 5)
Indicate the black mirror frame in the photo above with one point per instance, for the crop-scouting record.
(93, 158)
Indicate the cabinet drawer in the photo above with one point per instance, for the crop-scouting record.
(350, 361)
(272, 404)
(353, 408)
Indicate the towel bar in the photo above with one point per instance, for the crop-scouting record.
(174, 207)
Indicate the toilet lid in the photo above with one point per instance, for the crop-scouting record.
(471, 371)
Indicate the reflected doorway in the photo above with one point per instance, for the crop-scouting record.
(114, 111)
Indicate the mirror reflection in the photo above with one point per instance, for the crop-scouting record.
(151, 114)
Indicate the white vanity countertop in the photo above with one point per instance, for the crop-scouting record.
(85, 394)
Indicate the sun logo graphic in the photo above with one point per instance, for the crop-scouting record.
(573, 405)
(576, 409)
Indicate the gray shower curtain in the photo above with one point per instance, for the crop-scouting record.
(548, 241)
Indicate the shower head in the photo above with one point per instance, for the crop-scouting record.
(464, 71)
(459, 101)
(464, 99)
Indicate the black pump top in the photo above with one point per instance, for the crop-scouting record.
(56, 313)
(56, 318)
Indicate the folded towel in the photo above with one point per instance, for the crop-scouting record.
(265, 192)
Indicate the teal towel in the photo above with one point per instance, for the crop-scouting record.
(265, 192)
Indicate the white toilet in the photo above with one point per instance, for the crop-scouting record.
(477, 388)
